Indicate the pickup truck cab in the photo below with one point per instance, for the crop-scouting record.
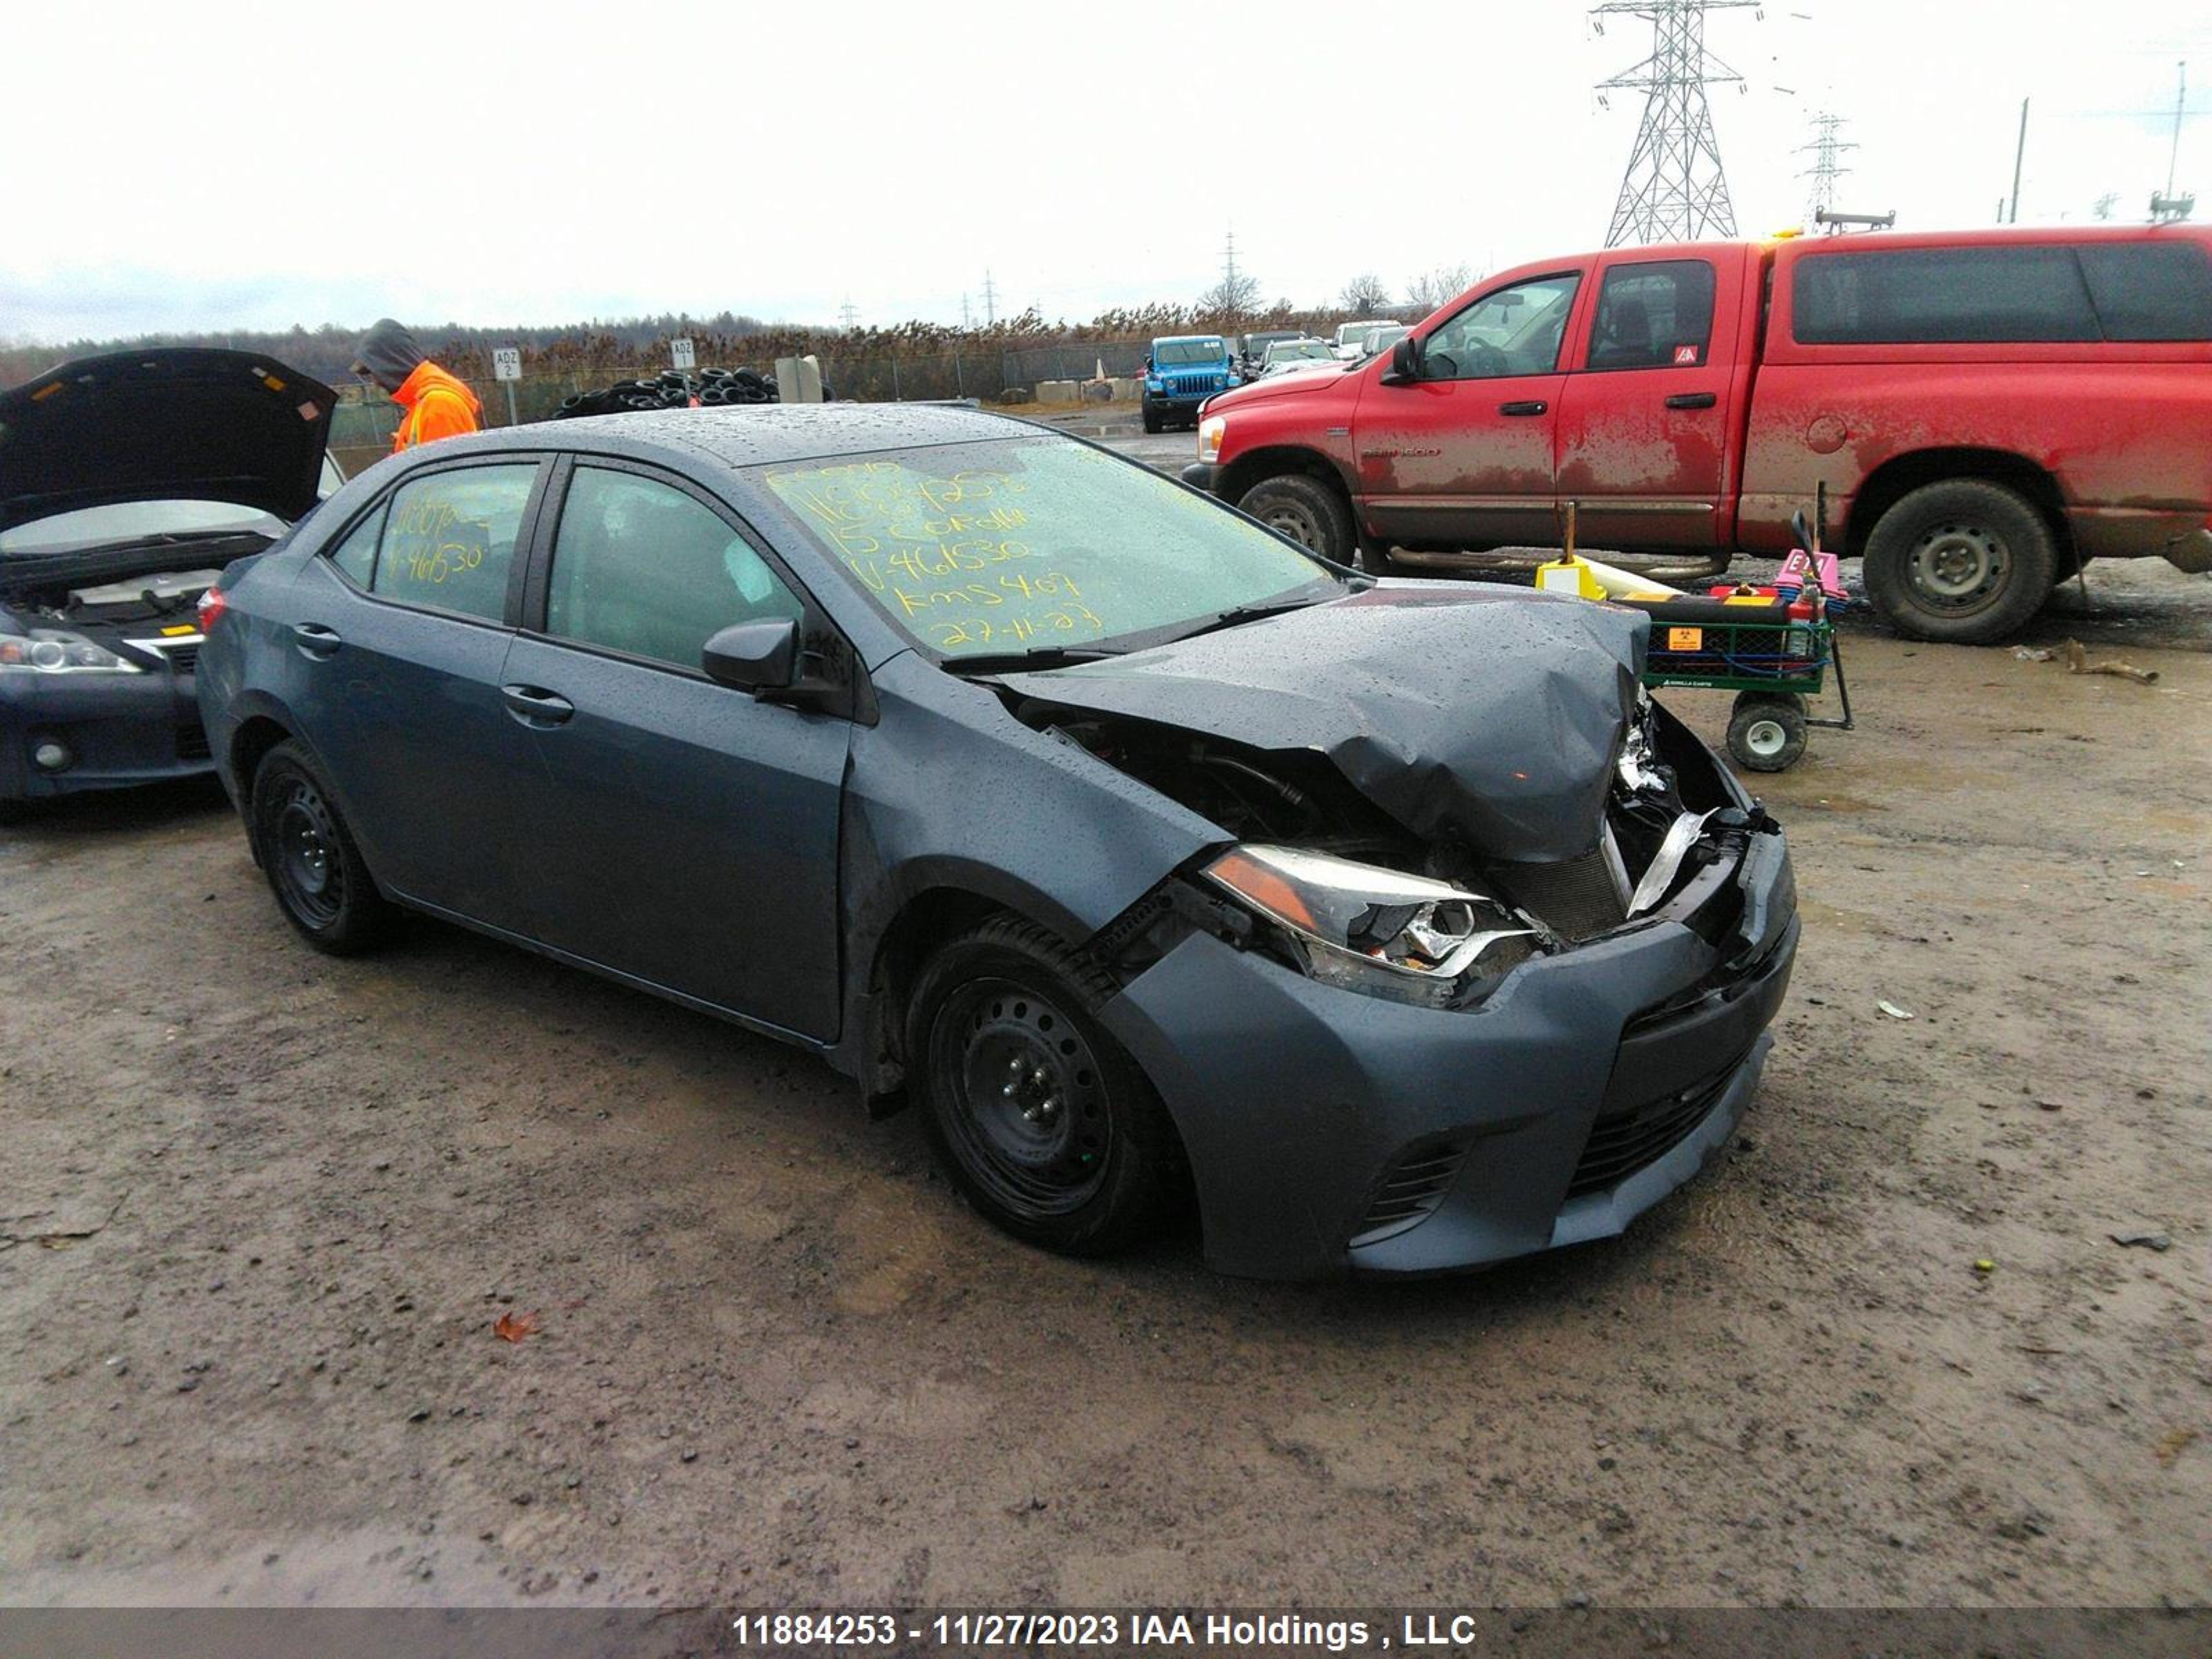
(1181, 373)
(1989, 410)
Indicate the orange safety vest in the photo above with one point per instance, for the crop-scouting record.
(437, 406)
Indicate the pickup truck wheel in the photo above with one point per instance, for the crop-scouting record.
(1043, 1122)
(1310, 512)
(1965, 561)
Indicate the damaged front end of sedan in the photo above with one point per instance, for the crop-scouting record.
(1322, 879)
(1516, 934)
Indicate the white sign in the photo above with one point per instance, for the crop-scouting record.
(506, 362)
(681, 355)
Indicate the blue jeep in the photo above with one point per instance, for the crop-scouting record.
(1184, 371)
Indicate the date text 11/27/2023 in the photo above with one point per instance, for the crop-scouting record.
(1167, 1631)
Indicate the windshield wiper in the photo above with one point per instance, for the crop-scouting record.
(1039, 656)
(1237, 615)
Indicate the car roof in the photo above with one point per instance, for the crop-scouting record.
(1180, 339)
(752, 434)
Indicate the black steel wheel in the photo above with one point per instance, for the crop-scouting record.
(1045, 1124)
(313, 867)
(1964, 560)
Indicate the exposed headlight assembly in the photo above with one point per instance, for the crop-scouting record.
(51, 651)
(1364, 928)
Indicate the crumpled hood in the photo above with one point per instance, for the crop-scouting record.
(185, 423)
(1486, 713)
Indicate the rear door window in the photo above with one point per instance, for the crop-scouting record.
(449, 540)
(1911, 296)
(356, 554)
(642, 567)
(1655, 315)
(2150, 291)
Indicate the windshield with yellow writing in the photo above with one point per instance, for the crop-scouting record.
(1022, 544)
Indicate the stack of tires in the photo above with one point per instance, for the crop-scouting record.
(673, 390)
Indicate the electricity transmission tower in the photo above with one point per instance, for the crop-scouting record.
(1827, 151)
(848, 316)
(990, 301)
(1674, 190)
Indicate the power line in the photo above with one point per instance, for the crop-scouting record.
(1827, 151)
(1675, 189)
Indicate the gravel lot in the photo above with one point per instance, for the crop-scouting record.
(259, 1211)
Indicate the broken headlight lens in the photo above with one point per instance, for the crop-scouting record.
(1364, 928)
(51, 651)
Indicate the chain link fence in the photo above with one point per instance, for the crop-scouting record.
(361, 431)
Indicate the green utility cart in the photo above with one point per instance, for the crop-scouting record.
(1772, 661)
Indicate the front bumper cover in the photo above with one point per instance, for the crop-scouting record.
(1302, 1107)
(120, 729)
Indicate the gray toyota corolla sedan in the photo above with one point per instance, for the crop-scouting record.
(1156, 862)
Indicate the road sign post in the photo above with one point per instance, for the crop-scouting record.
(506, 366)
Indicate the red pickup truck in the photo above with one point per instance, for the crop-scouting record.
(1988, 409)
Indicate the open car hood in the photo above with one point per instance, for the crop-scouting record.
(188, 423)
(1480, 713)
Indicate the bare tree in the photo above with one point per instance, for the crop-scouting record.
(2105, 203)
(1235, 294)
(1425, 292)
(1364, 294)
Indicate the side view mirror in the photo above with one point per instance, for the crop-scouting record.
(754, 656)
(1801, 530)
(1405, 363)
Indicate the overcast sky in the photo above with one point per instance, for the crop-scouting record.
(257, 165)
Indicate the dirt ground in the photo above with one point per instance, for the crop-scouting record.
(259, 1211)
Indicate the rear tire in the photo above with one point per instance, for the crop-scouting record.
(1965, 561)
(1766, 730)
(315, 869)
(1311, 512)
(1042, 1119)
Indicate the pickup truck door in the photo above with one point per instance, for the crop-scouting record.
(1462, 456)
(1645, 437)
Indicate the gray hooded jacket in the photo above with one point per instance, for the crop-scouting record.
(389, 353)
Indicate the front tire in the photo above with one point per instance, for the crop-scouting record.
(1964, 561)
(1043, 1121)
(1311, 512)
(315, 869)
(1152, 421)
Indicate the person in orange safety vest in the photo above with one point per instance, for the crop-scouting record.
(434, 405)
